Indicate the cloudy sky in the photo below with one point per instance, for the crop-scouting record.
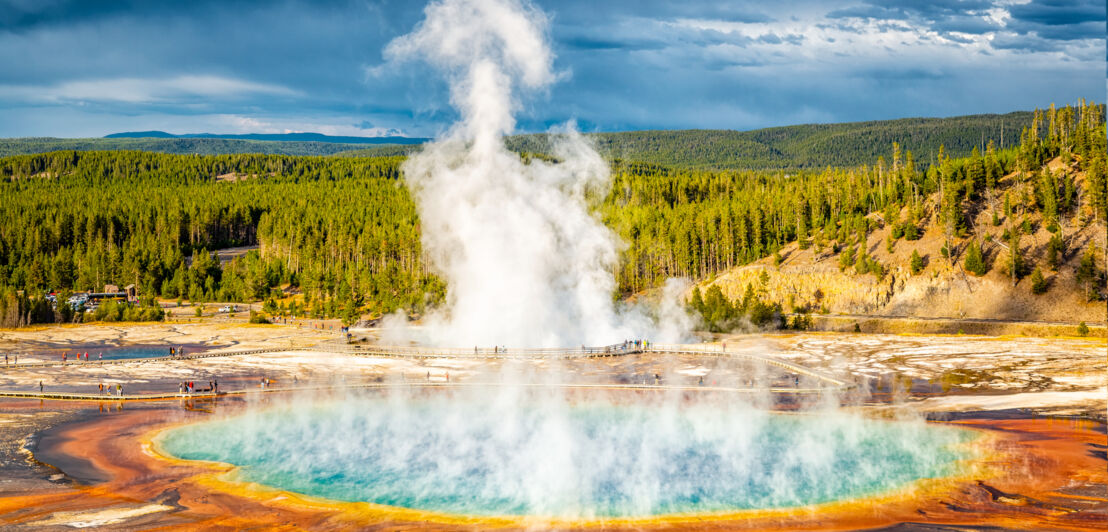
(73, 68)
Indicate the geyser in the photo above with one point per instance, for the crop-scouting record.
(526, 261)
(549, 455)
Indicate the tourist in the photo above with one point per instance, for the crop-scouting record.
(180, 388)
(39, 386)
(119, 389)
(100, 357)
(5, 359)
(63, 358)
(101, 389)
(215, 386)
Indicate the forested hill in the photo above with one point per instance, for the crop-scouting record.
(345, 234)
(296, 137)
(201, 146)
(791, 147)
(812, 146)
(803, 146)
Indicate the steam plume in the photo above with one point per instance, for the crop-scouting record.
(525, 261)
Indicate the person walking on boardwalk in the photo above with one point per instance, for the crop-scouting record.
(119, 389)
(100, 357)
(39, 386)
(100, 390)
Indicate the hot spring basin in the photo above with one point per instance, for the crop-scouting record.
(516, 454)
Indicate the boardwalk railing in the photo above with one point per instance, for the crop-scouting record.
(140, 360)
(491, 353)
(482, 352)
(621, 349)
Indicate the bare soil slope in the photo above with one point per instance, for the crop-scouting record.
(811, 279)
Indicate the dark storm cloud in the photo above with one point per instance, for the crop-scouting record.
(1058, 12)
(75, 67)
(1048, 19)
(1063, 21)
(911, 10)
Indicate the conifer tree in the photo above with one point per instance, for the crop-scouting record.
(1038, 283)
(916, 263)
(975, 260)
(1087, 274)
(1054, 250)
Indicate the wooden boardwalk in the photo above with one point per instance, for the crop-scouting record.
(825, 382)
(91, 397)
(630, 348)
(202, 354)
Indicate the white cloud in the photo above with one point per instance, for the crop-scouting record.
(141, 90)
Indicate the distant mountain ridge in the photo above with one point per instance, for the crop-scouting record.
(784, 147)
(803, 146)
(280, 137)
(198, 146)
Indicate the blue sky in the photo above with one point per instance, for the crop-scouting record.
(72, 68)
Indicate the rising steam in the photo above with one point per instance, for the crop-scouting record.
(526, 262)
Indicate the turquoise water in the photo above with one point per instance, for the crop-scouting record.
(545, 456)
(113, 352)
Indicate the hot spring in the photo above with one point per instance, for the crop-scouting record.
(517, 453)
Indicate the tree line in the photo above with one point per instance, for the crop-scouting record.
(344, 230)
